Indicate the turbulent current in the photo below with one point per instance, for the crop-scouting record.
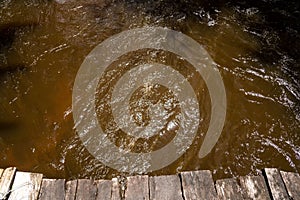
(143, 99)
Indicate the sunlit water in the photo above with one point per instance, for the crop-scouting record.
(255, 46)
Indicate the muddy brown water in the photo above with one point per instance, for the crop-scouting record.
(43, 44)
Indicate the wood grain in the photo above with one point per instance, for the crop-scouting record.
(276, 184)
(6, 181)
(52, 189)
(137, 188)
(229, 189)
(254, 187)
(198, 185)
(292, 184)
(71, 188)
(104, 189)
(115, 190)
(86, 190)
(26, 186)
(165, 187)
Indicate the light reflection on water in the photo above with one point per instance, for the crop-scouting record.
(44, 43)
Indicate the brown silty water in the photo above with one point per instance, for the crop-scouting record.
(43, 44)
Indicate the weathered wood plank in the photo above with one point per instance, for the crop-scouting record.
(165, 187)
(276, 184)
(137, 188)
(229, 189)
(198, 185)
(104, 189)
(26, 186)
(292, 184)
(86, 190)
(52, 189)
(6, 181)
(71, 188)
(254, 187)
(115, 190)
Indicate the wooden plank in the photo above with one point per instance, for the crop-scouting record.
(115, 190)
(165, 187)
(198, 185)
(104, 189)
(6, 181)
(229, 189)
(254, 187)
(292, 184)
(86, 190)
(26, 186)
(71, 188)
(276, 184)
(52, 189)
(137, 188)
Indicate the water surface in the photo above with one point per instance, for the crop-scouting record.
(255, 45)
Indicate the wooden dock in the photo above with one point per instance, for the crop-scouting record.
(196, 185)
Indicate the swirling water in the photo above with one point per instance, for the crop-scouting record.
(254, 44)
